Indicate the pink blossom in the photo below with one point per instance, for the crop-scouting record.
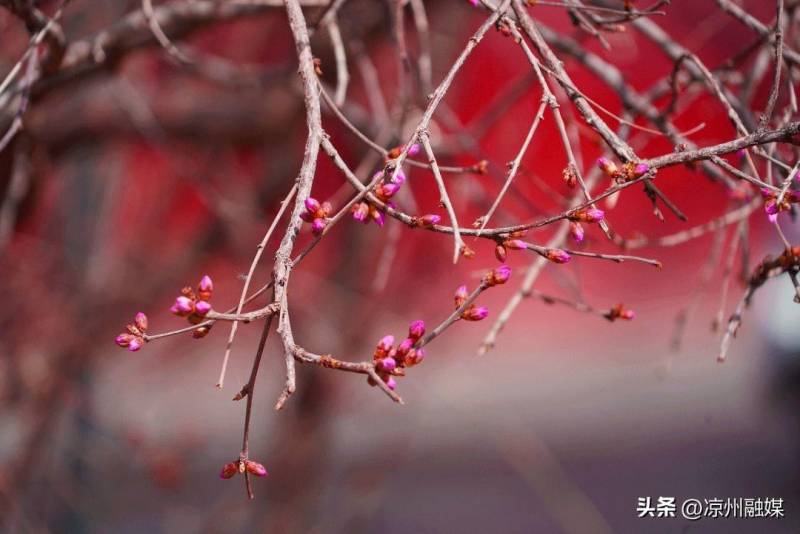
(416, 329)
(318, 226)
(607, 166)
(183, 306)
(474, 313)
(515, 244)
(206, 285)
(140, 320)
(202, 307)
(229, 470)
(641, 169)
(556, 255)
(430, 220)
(255, 468)
(576, 231)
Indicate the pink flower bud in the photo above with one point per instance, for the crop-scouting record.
(771, 207)
(318, 226)
(414, 357)
(360, 212)
(416, 329)
(475, 313)
(515, 244)
(594, 215)
(498, 275)
(140, 320)
(591, 215)
(772, 217)
(135, 344)
(741, 153)
(385, 344)
(391, 383)
(205, 285)
(312, 205)
(576, 231)
(607, 166)
(628, 315)
(229, 470)
(405, 346)
(500, 253)
(386, 365)
(387, 191)
(640, 169)
(183, 306)
(461, 295)
(430, 220)
(123, 340)
(413, 150)
(378, 216)
(398, 179)
(255, 468)
(325, 210)
(202, 307)
(556, 255)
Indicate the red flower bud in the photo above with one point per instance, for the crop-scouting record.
(416, 329)
(640, 169)
(135, 344)
(500, 253)
(461, 295)
(556, 255)
(312, 206)
(229, 470)
(255, 468)
(607, 166)
(497, 276)
(475, 313)
(183, 306)
(140, 320)
(391, 383)
(386, 365)
(360, 212)
(123, 340)
(405, 346)
(414, 357)
(318, 226)
(515, 244)
(576, 231)
(201, 332)
(430, 220)
(205, 287)
(202, 307)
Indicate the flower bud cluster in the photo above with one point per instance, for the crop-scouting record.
(391, 361)
(242, 466)
(771, 204)
(365, 212)
(317, 214)
(626, 173)
(511, 241)
(472, 312)
(134, 336)
(195, 305)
